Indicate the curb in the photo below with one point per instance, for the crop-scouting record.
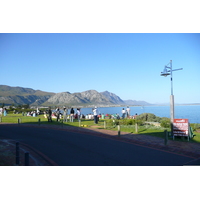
(40, 154)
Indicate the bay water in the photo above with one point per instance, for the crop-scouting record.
(190, 112)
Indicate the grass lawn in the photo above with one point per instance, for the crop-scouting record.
(145, 129)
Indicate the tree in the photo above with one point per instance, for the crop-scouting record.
(26, 106)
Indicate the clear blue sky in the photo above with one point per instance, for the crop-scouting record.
(127, 65)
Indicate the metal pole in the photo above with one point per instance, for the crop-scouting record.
(171, 100)
(172, 112)
(27, 159)
(171, 77)
(17, 153)
(165, 73)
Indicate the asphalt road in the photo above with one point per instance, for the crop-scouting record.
(78, 149)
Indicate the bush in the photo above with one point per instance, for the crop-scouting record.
(112, 122)
(195, 126)
(131, 122)
(148, 117)
(165, 122)
(126, 122)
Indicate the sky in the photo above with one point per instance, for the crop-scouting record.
(77, 46)
(126, 64)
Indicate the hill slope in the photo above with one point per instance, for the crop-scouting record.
(89, 97)
(113, 98)
(20, 95)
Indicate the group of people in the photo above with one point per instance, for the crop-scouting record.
(30, 114)
(74, 114)
(71, 116)
(3, 111)
(78, 115)
(58, 114)
(126, 113)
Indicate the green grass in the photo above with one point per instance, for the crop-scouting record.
(145, 129)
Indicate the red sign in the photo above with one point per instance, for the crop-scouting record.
(181, 127)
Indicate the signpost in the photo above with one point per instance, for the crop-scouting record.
(181, 128)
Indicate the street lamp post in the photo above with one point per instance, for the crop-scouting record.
(168, 71)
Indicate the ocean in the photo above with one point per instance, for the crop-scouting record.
(190, 112)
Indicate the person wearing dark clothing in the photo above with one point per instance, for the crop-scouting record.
(49, 115)
(58, 114)
(71, 115)
(123, 113)
(96, 112)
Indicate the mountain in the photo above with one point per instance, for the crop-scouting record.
(136, 103)
(20, 95)
(113, 98)
(89, 97)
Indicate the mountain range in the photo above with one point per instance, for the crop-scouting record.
(19, 95)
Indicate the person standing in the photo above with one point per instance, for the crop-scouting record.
(1, 111)
(78, 114)
(123, 113)
(71, 115)
(58, 113)
(95, 112)
(134, 117)
(38, 112)
(5, 112)
(49, 115)
(128, 111)
(65, 115)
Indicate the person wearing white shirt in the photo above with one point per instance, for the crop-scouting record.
(123, 113)
(95, 111)
(128, 111)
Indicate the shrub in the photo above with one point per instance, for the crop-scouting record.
(112, 122)
(165, 122)
(148, 117)
(195, 126)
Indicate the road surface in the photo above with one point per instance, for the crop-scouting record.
(77, 149)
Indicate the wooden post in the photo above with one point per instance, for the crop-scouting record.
(166, 137)
(27, 159)
(118, 130)
(17, 153)
(105, 124)
(136, 128)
